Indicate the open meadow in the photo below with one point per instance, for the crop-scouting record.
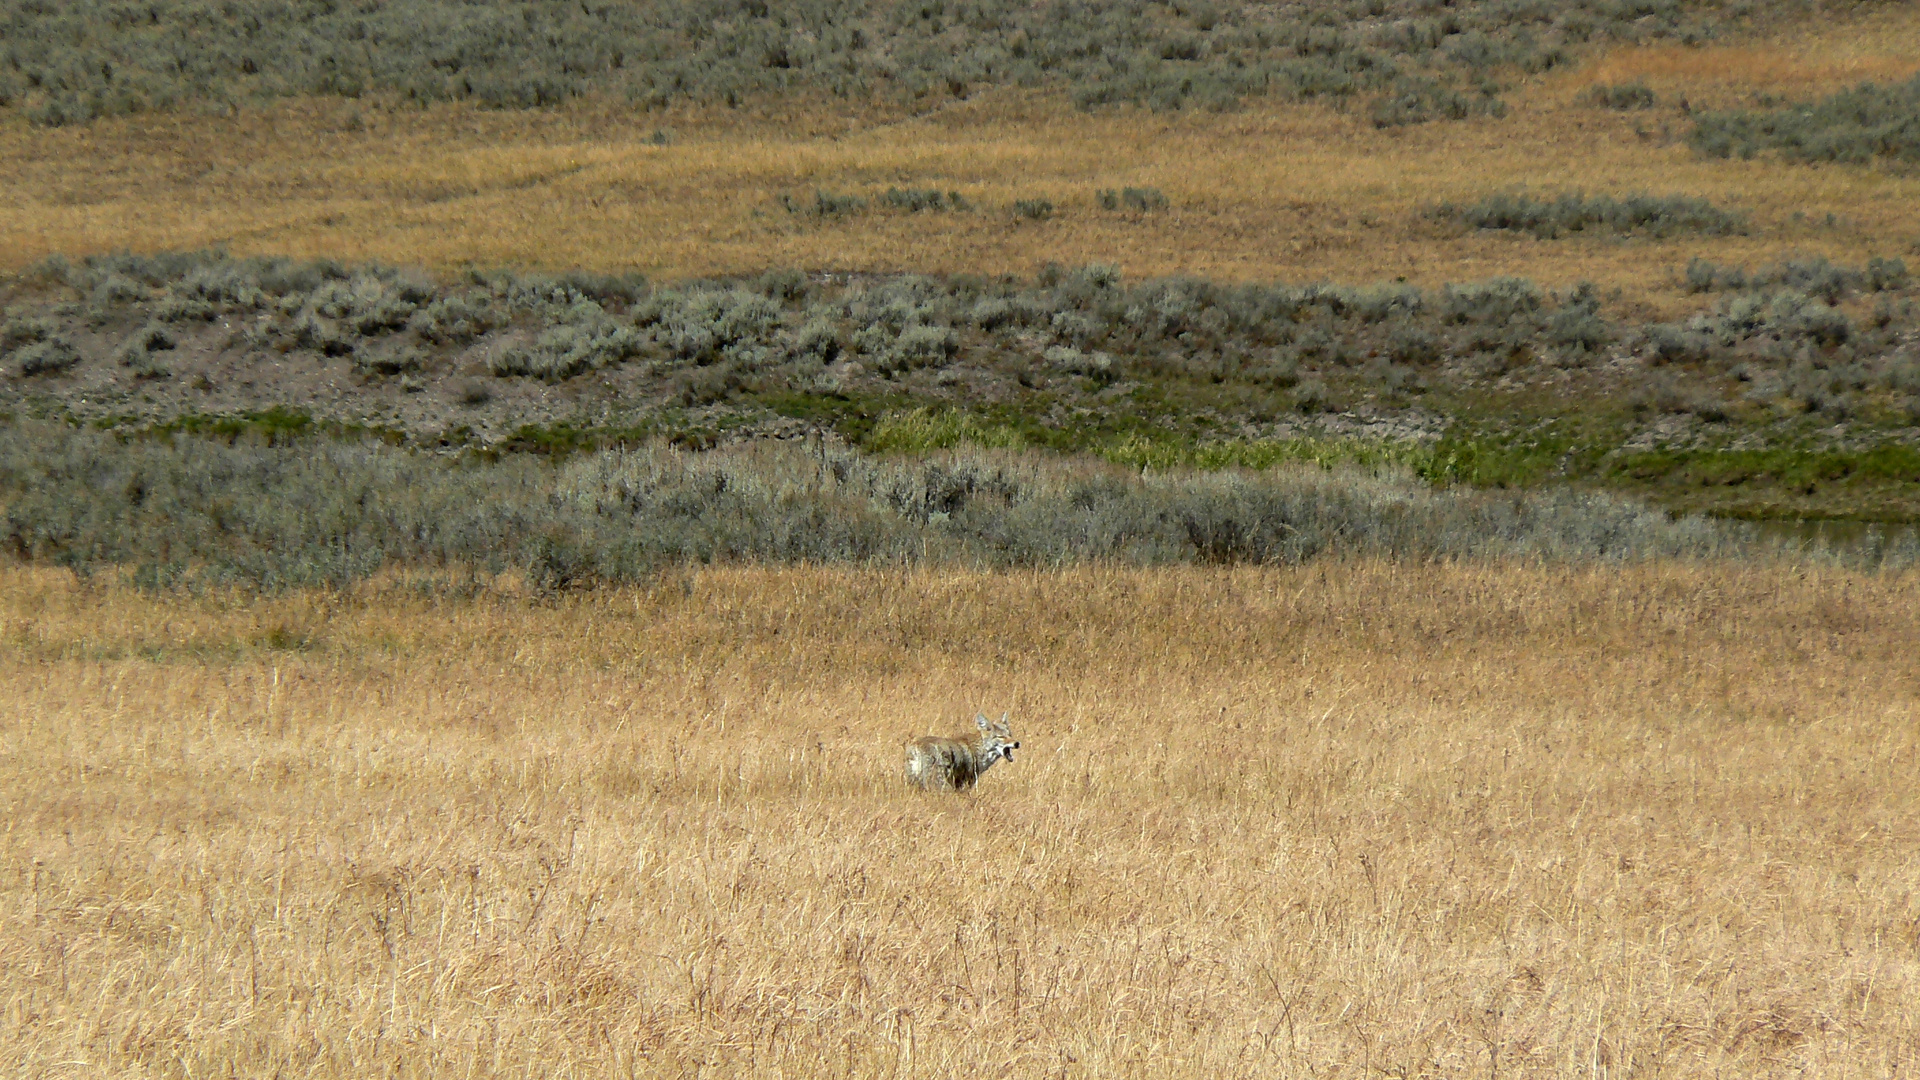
(488, 488)
(1359, 818)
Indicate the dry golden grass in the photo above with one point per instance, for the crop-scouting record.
(1796, 61)
(1276, 191)
(1350, 820)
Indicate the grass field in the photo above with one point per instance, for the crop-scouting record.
(1359, 819)
(1276, 191)
(614, 814)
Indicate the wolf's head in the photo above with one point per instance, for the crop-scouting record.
(996, 739)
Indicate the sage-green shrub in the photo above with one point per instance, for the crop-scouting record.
(179, 509)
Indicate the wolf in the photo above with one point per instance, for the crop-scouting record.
(938, 764)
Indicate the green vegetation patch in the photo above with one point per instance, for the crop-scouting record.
(1373, 455)
(922, 430)
(1792, 481)
(1875, 483)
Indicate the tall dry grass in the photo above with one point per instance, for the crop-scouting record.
(1275, 191)
(1353, 820)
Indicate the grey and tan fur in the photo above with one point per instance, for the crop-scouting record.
(938, 764)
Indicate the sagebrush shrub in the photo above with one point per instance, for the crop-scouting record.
(1815, 276)
(1417, 100)
(368, 304)
(993, 314)
(114, 289)
(309, 330)
(784, 286)
(1783, 315)
(914, 200)
(1868, 122)
(1887, 275)
(1413, 345)
(225, 286)
(538, 295)
(141, 351)
(1033, 209)
(773, 334)
(915, 345)
(402, 360)
(1141, 200)
(73, 62)
(176, 308)
(456, 319)
(569, 349)
(19, 330)
(1072, 361)
(1673, 344)
(824, 204)
(48, 356)
(818, 340)
(314, 512)
(706, 325)
(1621, 96)
(1659, 216)
(1494, 301)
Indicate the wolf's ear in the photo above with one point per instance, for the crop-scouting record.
(983, 722)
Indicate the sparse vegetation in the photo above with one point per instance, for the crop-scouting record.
(71, 63)
(1339, 199)
(1076, 360)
